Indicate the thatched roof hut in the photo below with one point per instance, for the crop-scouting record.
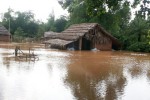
(47, 35)
(4, 31)
(84, 36)
(5, 35)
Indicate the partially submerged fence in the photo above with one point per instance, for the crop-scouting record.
(30, 56)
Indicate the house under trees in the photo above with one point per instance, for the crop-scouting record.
(85, 36)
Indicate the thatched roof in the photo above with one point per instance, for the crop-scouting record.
(58, 42)
(49, 33)
(88, 30)
(4, 31)
(74, 31)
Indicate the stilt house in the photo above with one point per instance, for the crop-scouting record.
(85, 36)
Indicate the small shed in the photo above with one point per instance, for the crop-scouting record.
(5, 36)
(85, 36)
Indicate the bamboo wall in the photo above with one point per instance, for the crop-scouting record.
(5, 38)
(104, 47)
(101, 41)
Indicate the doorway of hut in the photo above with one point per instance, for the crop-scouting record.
(86, 44)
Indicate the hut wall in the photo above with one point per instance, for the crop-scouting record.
(102, 42)
(104, 46)
(5, 38)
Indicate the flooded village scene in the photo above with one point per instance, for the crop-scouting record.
(96, 50)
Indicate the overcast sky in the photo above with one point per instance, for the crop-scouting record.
(41, 8)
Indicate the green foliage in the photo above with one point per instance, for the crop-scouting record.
(41, 30)
(57, 25)
(8, 19)
(148, 37)
(20, 21)
(60, 24)
(112, 18)
(50, 23)
(18, 35)
(145, 9)
(25, 20)
(77, 10)
(139, 28)
(137, 35)
(23, 25)
(98, 7)
(115, 17)
(139, 47)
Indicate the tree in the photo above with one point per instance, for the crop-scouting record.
(137, 35)
(56, 25)
(22, 24)
(18, 34)
(41, 30)
(26, 21)
(60, 24)
(8, 20)
(77, 10)
(144, 12)
(148, 36)
(50, 24)
(97, 7)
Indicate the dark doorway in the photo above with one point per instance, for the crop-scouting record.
(86, 44)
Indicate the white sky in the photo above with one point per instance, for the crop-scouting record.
(41, 8)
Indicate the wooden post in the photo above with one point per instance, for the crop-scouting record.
(29, 51)
(45, 45)
(26, 57)
(80, 43)
(16, 51)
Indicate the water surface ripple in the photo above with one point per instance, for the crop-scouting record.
(74, 75)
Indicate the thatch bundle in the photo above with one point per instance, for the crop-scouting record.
(57, 43)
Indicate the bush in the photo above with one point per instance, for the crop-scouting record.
(140, 47)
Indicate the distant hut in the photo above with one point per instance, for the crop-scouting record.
(5, 36)
(85, 36)
(47, 35)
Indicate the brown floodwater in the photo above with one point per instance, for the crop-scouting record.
(73, 75)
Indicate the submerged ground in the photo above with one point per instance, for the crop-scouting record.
(73, 75)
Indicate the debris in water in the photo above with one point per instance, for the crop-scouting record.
(28, 56)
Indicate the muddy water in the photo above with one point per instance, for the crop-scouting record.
(74, 75)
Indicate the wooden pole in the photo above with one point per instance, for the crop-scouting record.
(29, 51)
(16, 51)
(80, 43)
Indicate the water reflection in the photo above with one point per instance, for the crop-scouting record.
(41, 80)
(74, 75)
(136, 69)
(95, 77)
